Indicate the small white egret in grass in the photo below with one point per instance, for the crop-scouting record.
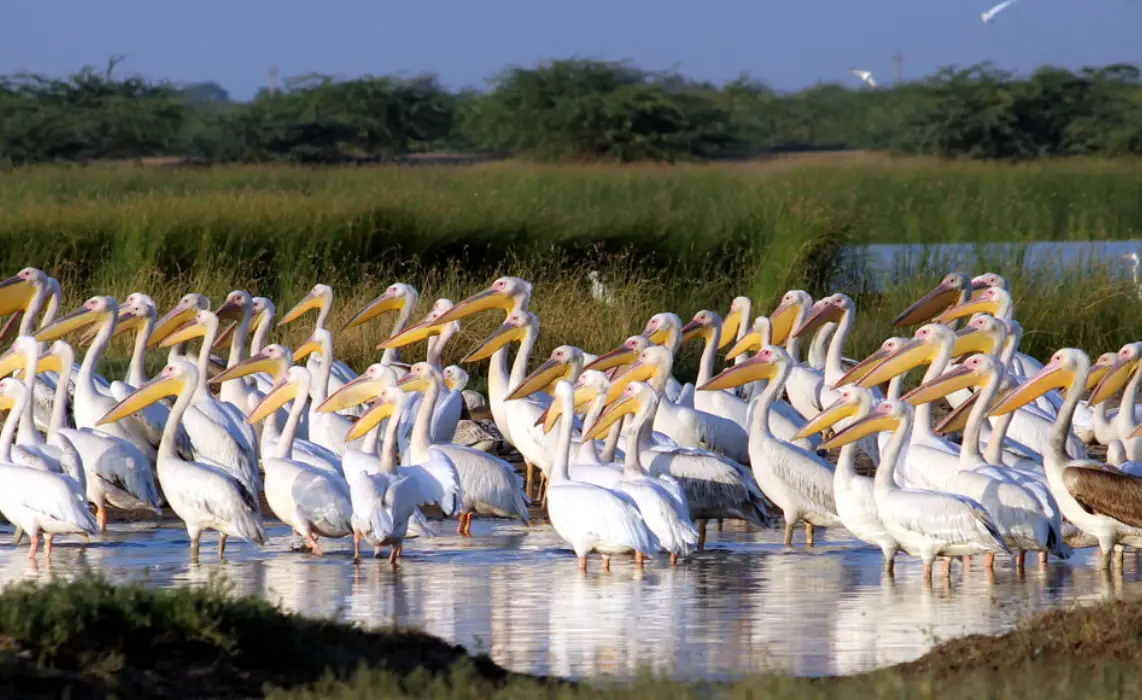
(865, 76)
(990, 14)
(1134, 261)
(599, 291)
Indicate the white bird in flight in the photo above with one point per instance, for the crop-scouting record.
(864, 75)
(990, 14)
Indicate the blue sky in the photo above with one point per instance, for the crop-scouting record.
(787, 43)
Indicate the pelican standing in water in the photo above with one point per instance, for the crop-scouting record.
(204, 495)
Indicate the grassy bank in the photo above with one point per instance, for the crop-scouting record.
(678, 238)
(92, 639)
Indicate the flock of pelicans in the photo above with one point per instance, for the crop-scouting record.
(650, 462)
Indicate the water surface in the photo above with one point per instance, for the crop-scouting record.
(513, 592)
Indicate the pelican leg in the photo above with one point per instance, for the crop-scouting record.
(468, 525)
(966, 561)
(194, 542)
(48, 546)
(606, 562)
(1020, 559)
(928, 572)
(17, 536)
(356, 546)
(989, 561)
(890, 563)
(460, 523)
(673, 559)
(719, 524)
(395, 553)
(1043, 560)
(530, 481)
(702, 525)
(583, 564)
(222, 547)
(639, 559)
(947, 568)
(809, 535)
(101, 518)
(311, 540)
(34, 545)
(788, 534)
(1104, 551)
(1119, 556)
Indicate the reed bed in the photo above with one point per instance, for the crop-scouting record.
(677, 238)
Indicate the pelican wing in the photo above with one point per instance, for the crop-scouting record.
(51, 496)
(1110, 493)
(944, 516)
(324, 501)
(808, 475)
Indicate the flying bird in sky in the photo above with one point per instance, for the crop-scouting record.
(865, 76)
(990, 14)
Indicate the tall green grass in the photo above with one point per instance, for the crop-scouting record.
(666, 238)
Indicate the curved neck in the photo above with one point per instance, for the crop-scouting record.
(643, 424)
(764, 402)
(1130, 397)
(388, 445)
(261, 333)
(421, 438)
(9, 431)
(27, 434)
(922, 423)
(169, 441)
(238, 340)
(391, 355)
(32, 310)
(204, 360)
(894, 385)
(588, 453)
(1061, 429)
(969, 450)
(320, 389)
(562, 455)
(95, 352)
(793, 345)
(136, 375)
(526, 345)
(709, 355)
(436, 344)
(59, 405)
(994, 452)
(283, 448)
(834, 370)
(323, 315)
(885, 479)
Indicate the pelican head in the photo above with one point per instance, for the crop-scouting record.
(637, 398)
(507, 293)
(831, 308)
(514, 327)
(590, 385)
(769, 362)
(792, 309)
(420, 377)
(455, 378)
(364, 387)
(738, 316)
(976, 371)
(398, 297)
(17, 292)
(852, 402)
(173, 380)
(988, 280)
(424, 328)
(94, 310)
(663, 328)
(1118, 374)
(238, 303)
(182, 313)
(59, 355)
(992, 300)
(566, 362)
(320, 297)
(135, 312)
(1059, 373)
(943, 296)
(621, 356)
(984, 333)
(321, 342)
(653, 363)
(13, 394)
(390, 403)
(273, 359)
(18, 354)
(702, 326)
(263, 307)
(295, 383)
(204, 323)
(922, 349)
(886, 417)
(759, 335)
(862, 368)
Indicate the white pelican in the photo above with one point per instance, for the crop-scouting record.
(470, 432)
(927, 524)
(218, 430)
(488, 483)
(436, 476)
(312, 502)
(399, 297)
(320, 298)
(736, 324)
(274, 361)
(116, 472)
(665, 329)
(325, 429)
(627, 353)
(35, 501)
(383, 498)
(660, 500)
(1098, 499)
(805, 382)
(204, 495)
(588, 517)
(180, 314)
(1026, 517)
(707, 325)
(1124, 375)
(238, 307)
(854, 494)
(798, 481)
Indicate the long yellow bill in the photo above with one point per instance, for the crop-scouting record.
(480, 301)
(356, 392)
(638, 372)
(544, 376)
(968, 308)
(692, 331)
(185, 334)
(941, 298)
(782, 320)
(370, 419)
(174, 319)
(752, 370)
(821, 313)
(730, 325)
(275, 367)
(1116, 377)
(283, 392)
(411, 382)
(310, 302)
(871, 424)
(48, 362)
(750, 342)
(15, 294)
(959, 378)
(11, 361)
(971, 340)
(80, 318)
(832, 415)
(584, 395)
(412, 334)
(957, 420)
(152, 392)
(225, 336)
(1052, 376)
(862, 368)
(505, 334)
(306, 349)
(909, 356)
(376, 307)
(619, 357)
(626, 405)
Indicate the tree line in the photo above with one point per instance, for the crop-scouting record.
(570, 110)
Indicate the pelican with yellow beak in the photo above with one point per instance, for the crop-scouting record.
(797, 480)
(399, 297)
(205, 495)
(707, 326)
(320, 298)
(925, 524)
(1100, 500)
(953, 290)
(1123, 376)
(325, 429)
(854, 494)
(589, 517)
(218, 430)
(838, 309)
(180, 314)
(805, 382)
(35, 501)
(314, 503)
(626, 354)
(736, 323)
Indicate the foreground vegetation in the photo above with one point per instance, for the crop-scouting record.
(681, 238)
(570, 109)
(92, 639)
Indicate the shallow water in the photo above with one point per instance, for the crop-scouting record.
(515, 593)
